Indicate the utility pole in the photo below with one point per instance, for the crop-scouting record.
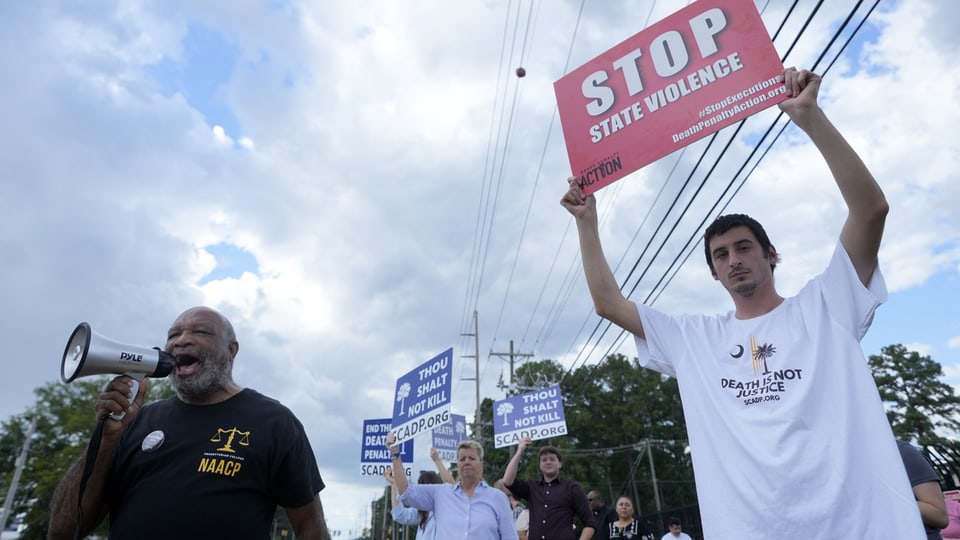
(476, 377)
(511, 355)
(21, 461)
(653, 477)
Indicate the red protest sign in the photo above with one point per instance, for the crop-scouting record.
(697, 71)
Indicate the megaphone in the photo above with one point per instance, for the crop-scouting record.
(88, 353)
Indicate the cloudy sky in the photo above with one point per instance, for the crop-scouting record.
(349, 181)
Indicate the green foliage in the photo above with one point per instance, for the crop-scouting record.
(919, 405)
(65, 419)
(615, 410)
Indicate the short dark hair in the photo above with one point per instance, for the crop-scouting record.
(726, 222)
(550, 449)
(674, 521)
(429, 477)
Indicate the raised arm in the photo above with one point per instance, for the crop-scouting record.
(442, 469)
(63, 506)
(400, 479)
(866, 205)
(388, 476)
(510, 474)
(608, 301)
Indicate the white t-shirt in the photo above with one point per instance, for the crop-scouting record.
(681, 536)
(788, 435)
(523, 520)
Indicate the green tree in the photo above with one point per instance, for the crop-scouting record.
(627, 423)
(919, 405)
(65, 420)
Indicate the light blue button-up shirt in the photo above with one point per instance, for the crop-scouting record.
(485, 516)
(406, 515)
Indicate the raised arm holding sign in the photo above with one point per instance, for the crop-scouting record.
(553, 500)
(784, 418)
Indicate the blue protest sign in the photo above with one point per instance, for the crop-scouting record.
(447, 437)
(374, 456)
(538, 415)
(423, 397)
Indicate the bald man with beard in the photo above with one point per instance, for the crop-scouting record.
(213, 461)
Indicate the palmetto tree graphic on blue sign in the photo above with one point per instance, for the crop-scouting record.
(402, 394)
(503, 410)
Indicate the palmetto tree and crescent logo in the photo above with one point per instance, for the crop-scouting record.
(771, 379)
(759, 354)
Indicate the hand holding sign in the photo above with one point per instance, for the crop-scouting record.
(802, 89)
(583, 207)
(523, 444)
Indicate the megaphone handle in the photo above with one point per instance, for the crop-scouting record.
(134, 388)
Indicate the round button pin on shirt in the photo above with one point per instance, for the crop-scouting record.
(152, 441)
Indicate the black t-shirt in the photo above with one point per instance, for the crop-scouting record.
(604, 516)
(210, 471)
(919, 471)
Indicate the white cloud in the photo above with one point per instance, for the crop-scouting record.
(221, 137)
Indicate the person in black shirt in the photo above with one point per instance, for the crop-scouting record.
(553, 501)
(214, 461)
(625, 526)
(601, 512)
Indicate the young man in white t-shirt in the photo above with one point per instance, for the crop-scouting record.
(788, 435)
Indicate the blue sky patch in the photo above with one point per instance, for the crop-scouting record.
(232, 262)
(201, 74)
